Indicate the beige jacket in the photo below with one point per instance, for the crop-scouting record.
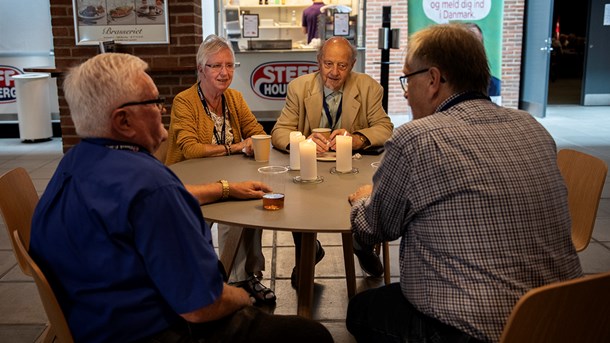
(362, 110)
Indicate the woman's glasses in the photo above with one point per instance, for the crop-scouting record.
(217, 67)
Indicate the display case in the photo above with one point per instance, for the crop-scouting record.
(281, 20)
(277, 54)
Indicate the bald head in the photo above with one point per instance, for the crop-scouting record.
(338, 43)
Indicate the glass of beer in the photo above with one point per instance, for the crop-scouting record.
(275, 178)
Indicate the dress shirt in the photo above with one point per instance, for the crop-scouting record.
(476, 196)
(333, 99)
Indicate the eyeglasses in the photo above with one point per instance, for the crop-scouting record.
(217, 67)
(404, 79)
(330, 65)
(159, 102)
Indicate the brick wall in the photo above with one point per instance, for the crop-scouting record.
(511, 50)
(172, 66)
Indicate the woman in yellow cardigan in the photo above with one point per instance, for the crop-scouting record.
(209, 119)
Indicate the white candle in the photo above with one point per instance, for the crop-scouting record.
(344, 153)
(295, 138)
(307, 152)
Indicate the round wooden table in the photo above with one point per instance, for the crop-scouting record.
(309, 208)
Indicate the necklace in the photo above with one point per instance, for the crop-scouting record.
(217, 107)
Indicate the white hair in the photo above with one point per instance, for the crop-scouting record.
(98, 86)
(211, 45)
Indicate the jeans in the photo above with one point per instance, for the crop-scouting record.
(385, 315)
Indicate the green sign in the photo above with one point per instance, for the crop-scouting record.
(487, 14)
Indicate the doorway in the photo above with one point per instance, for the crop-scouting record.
(569, 42)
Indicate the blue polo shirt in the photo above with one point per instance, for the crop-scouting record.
(123, 243)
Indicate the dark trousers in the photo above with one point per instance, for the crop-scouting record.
(296, 236)
(249, 324)
(384, 315)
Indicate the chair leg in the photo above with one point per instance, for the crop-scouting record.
(348, 258)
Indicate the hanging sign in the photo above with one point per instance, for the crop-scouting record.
(121, 21)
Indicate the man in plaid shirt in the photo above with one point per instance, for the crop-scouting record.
(474, 193)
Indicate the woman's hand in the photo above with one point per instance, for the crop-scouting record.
(246, 147)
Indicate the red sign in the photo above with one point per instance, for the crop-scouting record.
(270, 80)
(7, 85)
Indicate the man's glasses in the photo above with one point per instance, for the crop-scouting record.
(159, 102)
(217, 67)
(329, 65)
(404, 79)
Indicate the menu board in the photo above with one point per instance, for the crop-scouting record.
(250, 26)
(121, 21)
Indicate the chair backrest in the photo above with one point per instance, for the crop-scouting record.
(584, 176)
(18, 199)
(49, 301)
(570, 311)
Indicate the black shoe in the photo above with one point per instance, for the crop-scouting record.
(259, 293)
(319, 256)
(369, 261)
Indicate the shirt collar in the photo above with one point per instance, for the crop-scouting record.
(328, 91)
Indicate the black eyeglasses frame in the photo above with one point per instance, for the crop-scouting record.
(404, 79)
(160, 102)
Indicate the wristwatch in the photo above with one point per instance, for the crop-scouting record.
(225, 189)
(362, 138)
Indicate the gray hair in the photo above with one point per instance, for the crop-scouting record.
(352, 47)
(211, 45)
(98, 86)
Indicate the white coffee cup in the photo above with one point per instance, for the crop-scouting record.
(262, 147)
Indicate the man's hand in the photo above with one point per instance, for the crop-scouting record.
(322, 144)
(338, 132)
(361, 192)
(357, 142)
(248, 190)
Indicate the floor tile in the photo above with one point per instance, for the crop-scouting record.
(595, 258)
(21, 304)
(20, 333)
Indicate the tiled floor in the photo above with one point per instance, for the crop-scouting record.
(22, 318)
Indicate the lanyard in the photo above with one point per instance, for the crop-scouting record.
(112, 144)
(460, 98)
(327, 112)
(222, 139)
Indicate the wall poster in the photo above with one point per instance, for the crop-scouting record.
(121, 21)
(486, 14)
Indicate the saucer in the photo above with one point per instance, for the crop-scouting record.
(329, 156)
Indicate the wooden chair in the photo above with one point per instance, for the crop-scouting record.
(569, 311)
(584, 176)
(18, 198)
(49, 301)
